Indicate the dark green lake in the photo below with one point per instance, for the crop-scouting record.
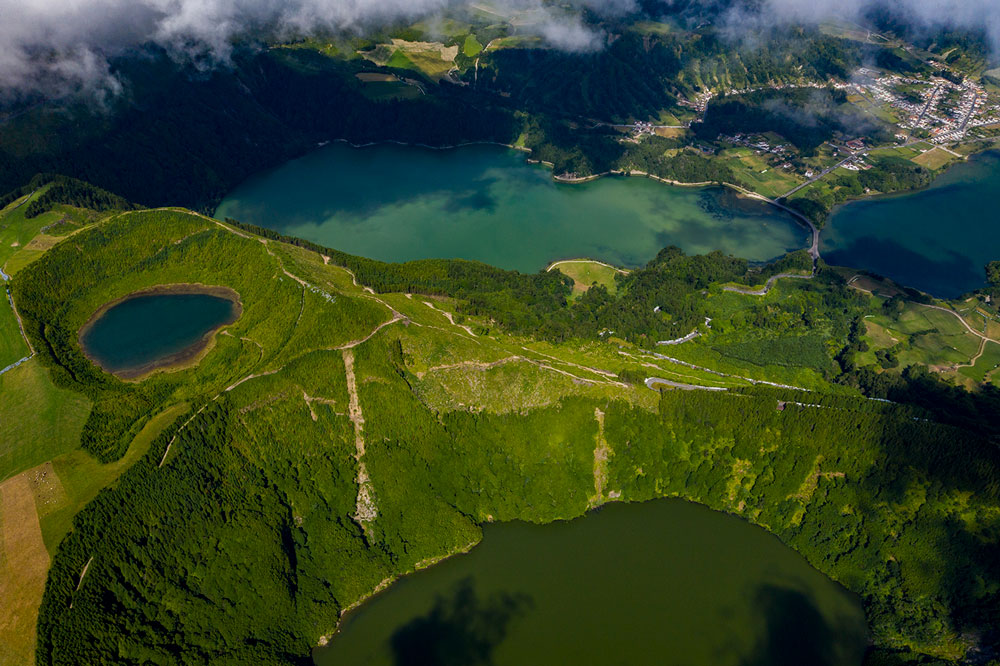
(152, 330)
(398, 203)
(661, 583)
(937, 240)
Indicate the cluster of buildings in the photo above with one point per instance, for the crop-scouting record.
(758, 143)
(699, 103)
(641, 127)
(946, 110)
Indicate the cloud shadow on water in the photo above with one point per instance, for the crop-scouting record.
(946, 278)
(462, 629)
(795, 633)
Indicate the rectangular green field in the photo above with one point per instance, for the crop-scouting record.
(12, 345)
(40, 420)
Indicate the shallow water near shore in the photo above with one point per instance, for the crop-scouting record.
(662, 582)
(151, 330)
(937, 240)
(398, 203)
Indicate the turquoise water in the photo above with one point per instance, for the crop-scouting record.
(937, 240)
(143, 331)
(398, 203)
(661, 583)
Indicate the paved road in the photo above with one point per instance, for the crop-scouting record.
(841, 163)
(652, 381)
(762, 291)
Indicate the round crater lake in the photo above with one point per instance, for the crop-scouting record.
(662, 582)
(937, 240)
(146, 331)
(398, 203)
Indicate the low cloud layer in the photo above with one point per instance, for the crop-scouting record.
(55, 47)
(960, 14)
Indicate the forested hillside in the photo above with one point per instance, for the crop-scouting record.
(338, 438)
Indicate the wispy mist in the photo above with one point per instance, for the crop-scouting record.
(54, 47)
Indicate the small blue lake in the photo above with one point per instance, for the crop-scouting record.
(155, 330)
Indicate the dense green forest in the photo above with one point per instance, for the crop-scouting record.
(261, 482)
(182, 136)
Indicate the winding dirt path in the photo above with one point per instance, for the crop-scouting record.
(450, 318)
(976, 333)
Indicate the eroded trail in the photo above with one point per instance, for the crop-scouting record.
(601, 454)
(450, 318)
(365, 510)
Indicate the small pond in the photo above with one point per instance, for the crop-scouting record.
(662, 582)
(145, 331)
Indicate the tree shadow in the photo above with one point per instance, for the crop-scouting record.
(795, 633)
(461, 630)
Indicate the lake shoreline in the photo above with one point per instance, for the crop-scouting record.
(388, 585)
(799, 218)
(814, 228)
(181, 359)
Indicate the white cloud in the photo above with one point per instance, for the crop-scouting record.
(58, 46)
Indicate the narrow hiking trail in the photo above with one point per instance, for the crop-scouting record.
(450, 318)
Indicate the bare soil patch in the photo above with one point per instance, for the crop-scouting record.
(23, 569)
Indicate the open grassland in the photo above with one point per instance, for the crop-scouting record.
(12, 345)
(985, 368)
(935, 159)
(82, 477)
(38, 420)
(336, 438)
(432, 59)
(924, 336)
(752, 169)
(471, 47)
(585, 273)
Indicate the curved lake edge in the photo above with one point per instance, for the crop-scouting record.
(815, 229)
(655, 217)
(387, 583)
(977, 165)
(902, 194)
(613, 173)
(179, 360)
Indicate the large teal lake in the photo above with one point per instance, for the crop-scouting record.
(937, 240)
(152, 330)
(398, 203)
(663, 583)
